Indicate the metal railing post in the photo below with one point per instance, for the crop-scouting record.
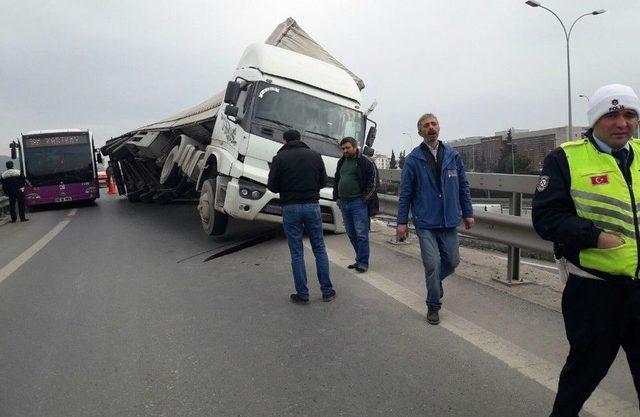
(513, 260)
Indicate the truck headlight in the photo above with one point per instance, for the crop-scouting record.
(251, 190)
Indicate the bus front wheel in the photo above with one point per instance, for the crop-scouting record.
(213, 221)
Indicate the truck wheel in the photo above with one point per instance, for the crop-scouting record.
(170, 174)
(213, 221)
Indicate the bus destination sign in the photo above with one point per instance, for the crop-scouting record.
(36, 142)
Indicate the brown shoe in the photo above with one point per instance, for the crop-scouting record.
(329, 296)
(296, 299)
(433, 317)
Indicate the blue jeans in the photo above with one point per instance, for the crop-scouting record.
(297, 218)
(355, 215)
(439, 249)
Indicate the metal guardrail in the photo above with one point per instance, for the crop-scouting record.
(513, 183)
(511, 229)
(501, 228)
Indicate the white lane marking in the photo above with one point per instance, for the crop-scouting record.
(12, 266)
(72, 212)
(601, 403)
(543, 266)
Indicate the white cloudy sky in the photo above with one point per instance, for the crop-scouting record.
(482, 66)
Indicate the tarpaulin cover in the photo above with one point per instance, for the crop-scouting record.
(287, 35)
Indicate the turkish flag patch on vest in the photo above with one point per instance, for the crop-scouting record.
(600, 180)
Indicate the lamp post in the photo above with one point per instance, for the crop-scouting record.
(410, 138)
(473, 156)
(534, 3)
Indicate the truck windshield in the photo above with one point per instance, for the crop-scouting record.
(310, 115)
(47, 165)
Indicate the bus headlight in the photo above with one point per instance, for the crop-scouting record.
(251, 190)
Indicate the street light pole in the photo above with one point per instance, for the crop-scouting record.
(410, 138)
(473, 155)
(534, 3)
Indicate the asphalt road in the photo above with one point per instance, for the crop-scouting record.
(120, 314)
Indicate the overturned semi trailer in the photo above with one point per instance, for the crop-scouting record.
(161, 161)
(218, 151)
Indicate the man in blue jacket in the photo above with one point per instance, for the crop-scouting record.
(434, 187)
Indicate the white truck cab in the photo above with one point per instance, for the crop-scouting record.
(273, 90)
(219, 151)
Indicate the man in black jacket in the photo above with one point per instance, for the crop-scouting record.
(298, 174)
(355, 191)
(12, 183)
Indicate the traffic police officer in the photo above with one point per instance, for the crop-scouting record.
(586, 203)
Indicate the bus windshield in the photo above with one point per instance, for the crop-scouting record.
(53, 160)
(312, 116)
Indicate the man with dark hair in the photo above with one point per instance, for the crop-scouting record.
(13, 182)
(298, 174)
(356, 183)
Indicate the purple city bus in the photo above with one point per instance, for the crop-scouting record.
(59, 165)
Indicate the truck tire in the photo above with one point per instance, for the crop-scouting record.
(213, 221)
(170, 174)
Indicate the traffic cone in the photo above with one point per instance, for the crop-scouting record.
(112, 187)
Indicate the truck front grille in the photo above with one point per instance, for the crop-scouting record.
(274, 207)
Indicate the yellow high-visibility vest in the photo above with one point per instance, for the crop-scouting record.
(601, 194)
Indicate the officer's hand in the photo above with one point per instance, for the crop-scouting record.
(402, 232)
(608, 241)
(469, 222)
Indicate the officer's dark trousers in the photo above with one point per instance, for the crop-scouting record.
(13, 199)
(599, 317)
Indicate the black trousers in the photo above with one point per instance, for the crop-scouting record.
(599, 317)
(13, 199)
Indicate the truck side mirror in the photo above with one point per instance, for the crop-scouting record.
(14, 154)
(231, 110)
(99, 157)
(371, 136)
(232, 93)
(368, 151)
